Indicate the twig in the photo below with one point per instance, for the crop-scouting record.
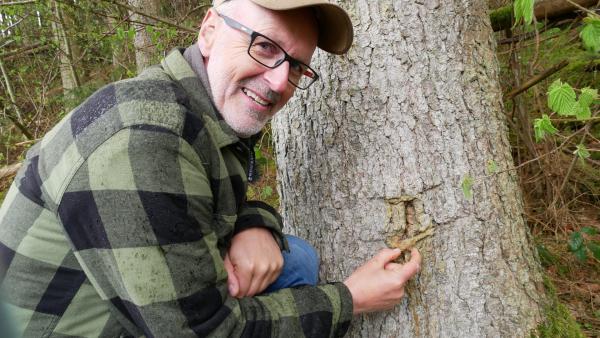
(154, 17)
(404, 244)
(10, 91)
(24, 143)
(534, 80)
(24, 2)
(591, 119)
(582, 8)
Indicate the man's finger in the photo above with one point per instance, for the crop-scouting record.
(412, 267)
(232, 281)
(386, 255)
(244, 279)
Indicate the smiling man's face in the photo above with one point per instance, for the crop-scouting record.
(246, 93)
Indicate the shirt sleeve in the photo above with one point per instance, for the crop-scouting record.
(260, 214)
(142, 227)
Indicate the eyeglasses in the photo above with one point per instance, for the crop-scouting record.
(269, 54)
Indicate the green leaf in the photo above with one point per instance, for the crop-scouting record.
(492, 167)
(590, 34)
(581, 254)
(561, 98)
(582, 112)
(594, 247)
(581, 151)
(546, 257)
(575, 241)
(467, 187)
(523, 9)
(268, 191)
(587, 96)
(543, 127)
(589, 231)
(120, 33)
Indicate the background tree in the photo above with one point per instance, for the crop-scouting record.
(66, 49)
(145, 53)
(405, 137)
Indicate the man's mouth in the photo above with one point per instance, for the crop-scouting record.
(255, 97)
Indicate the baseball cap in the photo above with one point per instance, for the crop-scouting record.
(335, 28)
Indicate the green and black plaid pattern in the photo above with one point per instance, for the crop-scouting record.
(119, 219)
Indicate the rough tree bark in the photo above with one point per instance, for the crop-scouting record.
(381, 145)
(145, 52)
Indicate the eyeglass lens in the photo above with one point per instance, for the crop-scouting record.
(269, 54)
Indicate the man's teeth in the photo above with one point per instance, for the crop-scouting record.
(255, 97)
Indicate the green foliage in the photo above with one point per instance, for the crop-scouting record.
(467, 186)
(561, 98)
(547, 258)
(581, 152)
(558, 320)
(590, 34)
(523, 9)
(543, 127)
(581, 242)
(492, 167)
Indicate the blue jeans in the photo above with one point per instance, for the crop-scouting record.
(300, 265)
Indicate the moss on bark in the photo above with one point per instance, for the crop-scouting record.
(559, 321)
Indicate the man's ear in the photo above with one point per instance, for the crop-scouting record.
(206, 36)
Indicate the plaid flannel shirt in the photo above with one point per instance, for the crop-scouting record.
(119, 220)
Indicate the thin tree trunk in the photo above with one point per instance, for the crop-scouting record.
(381, 147)
(70, 80)
(18, 119)
(145, 51)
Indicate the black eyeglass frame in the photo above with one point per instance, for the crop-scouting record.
(253, 35)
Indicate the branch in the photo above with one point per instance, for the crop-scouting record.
(502, 18)
(534, 80)
(154, 17)
(36, 47)
(24, 2)
(10, 170)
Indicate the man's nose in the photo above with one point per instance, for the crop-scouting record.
(278, 77)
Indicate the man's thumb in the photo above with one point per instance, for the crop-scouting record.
(387, 255)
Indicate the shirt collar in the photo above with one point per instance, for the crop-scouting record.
(182, 71)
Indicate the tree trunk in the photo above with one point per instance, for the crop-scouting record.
(70, 81)
(382, 145)
(145, 52)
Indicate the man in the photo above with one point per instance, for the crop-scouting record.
(129, 218)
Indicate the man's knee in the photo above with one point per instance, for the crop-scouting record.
(303, 258)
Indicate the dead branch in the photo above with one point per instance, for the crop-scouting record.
(10, 170)
(502, 18)
(12, 3)
(31, 49)
(154, 17)
(534, 80)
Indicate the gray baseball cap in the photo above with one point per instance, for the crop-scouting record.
(335, 28)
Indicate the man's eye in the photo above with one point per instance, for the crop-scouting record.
(266, 48)
(297, 67)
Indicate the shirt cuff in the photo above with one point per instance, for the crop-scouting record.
(259, 214)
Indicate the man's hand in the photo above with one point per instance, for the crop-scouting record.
(379, 283)
(253, 262)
